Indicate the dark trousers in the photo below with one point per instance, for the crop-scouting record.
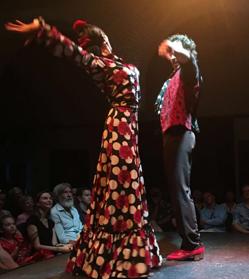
(178, 145)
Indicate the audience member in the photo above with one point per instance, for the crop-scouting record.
(241, 213)
(198, 199)
(40, 228)
(230, 202)
(13, 242)
(212, 216)
(74, 192)
(82, 201)
(160, 211)
(13, 204)
(27, 206)
(65, 216)
(229, 205)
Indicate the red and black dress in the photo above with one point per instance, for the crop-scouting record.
(117, 240)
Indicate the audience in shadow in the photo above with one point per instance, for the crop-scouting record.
(241, 213)
(43, 229)
(212, 216)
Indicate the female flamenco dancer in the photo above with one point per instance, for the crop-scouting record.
(117, 240)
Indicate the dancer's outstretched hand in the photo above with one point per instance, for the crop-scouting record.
(21, 27)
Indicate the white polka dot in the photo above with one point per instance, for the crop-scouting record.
(114, 136)
(103, 158)
(131, 198)
(135, 185)
(125, 209)
(127, 113)
(116, 122)
(105, 133)
(110, 111)
(115, 195)
(129, 160)
(113, 184)
(133, 209)
(133, 174)
(105, 144)
(104, 168)
(126, 185)
(141, 268)
(116, 146)
(127, 136)
(116, 170)
(98, 167)
(103, 181)
(114, 160)
(108, 120)
(126, 253)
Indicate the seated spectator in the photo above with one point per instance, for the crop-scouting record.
(13, 204)
(2, 204)
(74, 192)
(82, 201)
(229, 206)
(212, 216)
(230, 203)
(65, 216)
(160, 212)
(27, 206)
(241, 213)
(40, 228)
(13, 242)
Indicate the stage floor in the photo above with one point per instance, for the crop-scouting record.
(227, 257)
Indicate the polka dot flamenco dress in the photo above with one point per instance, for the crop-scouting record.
(117, 240)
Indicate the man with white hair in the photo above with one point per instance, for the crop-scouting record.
(65, 216)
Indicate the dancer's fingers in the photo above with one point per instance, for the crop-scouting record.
(11, 24)
(12, 27)
(20, 22)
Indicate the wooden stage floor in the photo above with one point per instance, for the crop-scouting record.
(227, 257)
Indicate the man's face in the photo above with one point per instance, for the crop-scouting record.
(166, 49)
(208, 198)
(66, 198)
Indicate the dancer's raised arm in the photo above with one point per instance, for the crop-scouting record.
(21, 27)
(60, 46)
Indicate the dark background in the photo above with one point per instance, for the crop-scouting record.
(51, 115)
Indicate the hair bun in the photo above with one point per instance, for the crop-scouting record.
(79, 24)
